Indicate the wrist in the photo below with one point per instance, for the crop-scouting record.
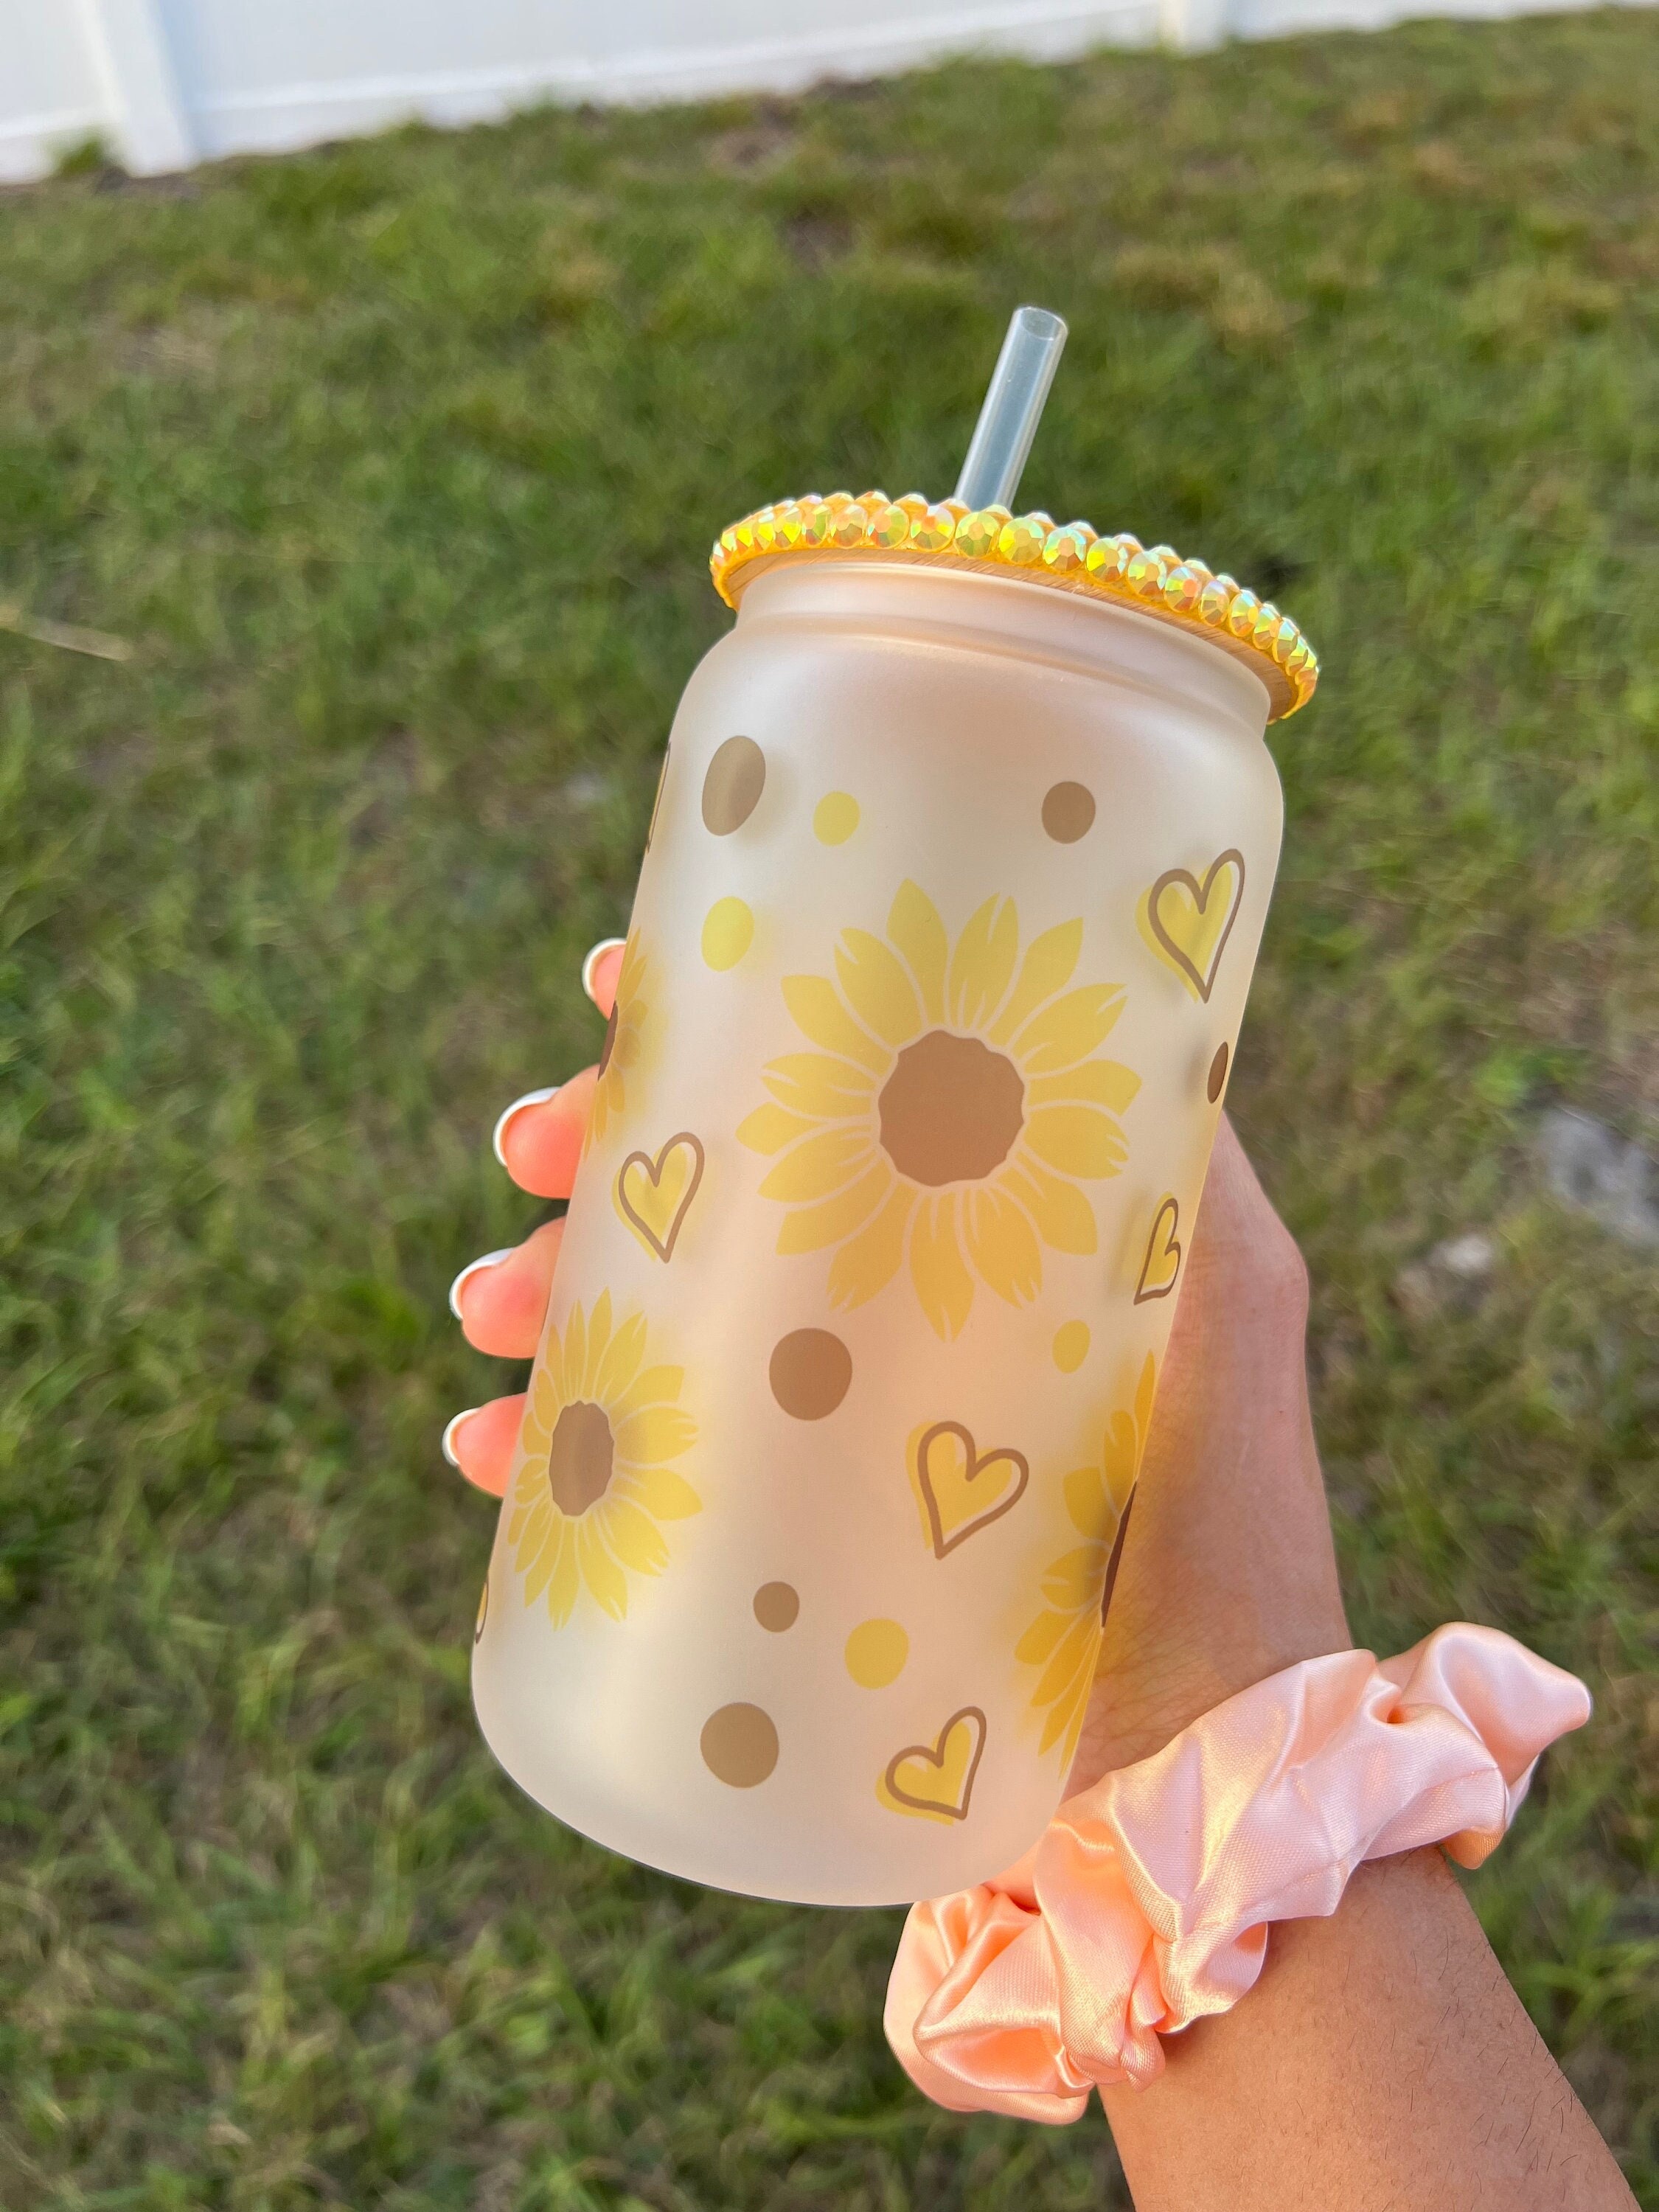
(1144, 1697)
(1224, 1579)
(1146, 1904)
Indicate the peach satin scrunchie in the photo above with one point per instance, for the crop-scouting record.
(1147, 1902)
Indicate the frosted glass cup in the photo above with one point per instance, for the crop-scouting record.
(948, 912)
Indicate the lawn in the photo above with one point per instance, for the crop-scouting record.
(394, 467)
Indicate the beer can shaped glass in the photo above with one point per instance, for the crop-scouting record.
(948, 911)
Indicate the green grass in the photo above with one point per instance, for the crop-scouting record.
(395, 463)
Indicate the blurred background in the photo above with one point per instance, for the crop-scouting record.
(355, 508)
(167, 82)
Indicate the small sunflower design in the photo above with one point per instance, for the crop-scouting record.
(625, 1041)
(594, 1484)
(952, 1111)
(1064, 1639)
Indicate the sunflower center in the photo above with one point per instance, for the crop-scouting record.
(610, 1044)
(579, 1466)
(951, 1109)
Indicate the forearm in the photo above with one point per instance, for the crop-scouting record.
(1381, 2063)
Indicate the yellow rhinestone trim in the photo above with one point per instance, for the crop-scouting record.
(1153, 580)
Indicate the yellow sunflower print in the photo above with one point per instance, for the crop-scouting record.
(1064, 1639)
(950, 1110)
(624, 1040)
(593, 1484)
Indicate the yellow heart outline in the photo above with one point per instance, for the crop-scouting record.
(662, 1246)
(934, 1755)
(1169, 1207)
(1201, 983)
(975, 1463)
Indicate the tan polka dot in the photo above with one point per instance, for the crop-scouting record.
(728, 931)
(1117, 1554)
(739, 1745)
(1218, 1073)
(951, 1109)
(656, 804)
(875, 1653)
(732, 787)
(1068, 813)
(582, 1458)
(1071, 1346)
(810, 1372)
(777, 1606)
(835, 818)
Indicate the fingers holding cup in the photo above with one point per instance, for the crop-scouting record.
(601, 971)
(480, 1442)
(539, 1139)
(501, 1300)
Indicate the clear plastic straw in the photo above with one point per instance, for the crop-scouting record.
(1014, 407)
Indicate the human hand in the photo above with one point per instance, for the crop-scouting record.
(1228, 1572)
(501, 1301)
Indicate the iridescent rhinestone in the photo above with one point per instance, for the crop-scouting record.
(931, 530)
(1156, 573)
(1022, 540)
(888, 526)
(976, 534)
(1066, 550)
(1182, 587)
(1109, 556)
(1217, 598)
(1241, 615)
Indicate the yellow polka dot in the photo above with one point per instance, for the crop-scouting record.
(875, 1653)
(835, 818)
(728, 931)
(1071, 1346)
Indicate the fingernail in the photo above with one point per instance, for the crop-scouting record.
(530, 1098)
(490, 1260)
(606, 944)
(450, 1428)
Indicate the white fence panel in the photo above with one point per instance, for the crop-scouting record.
(172, 82)
(50, 96)
(321, 69)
